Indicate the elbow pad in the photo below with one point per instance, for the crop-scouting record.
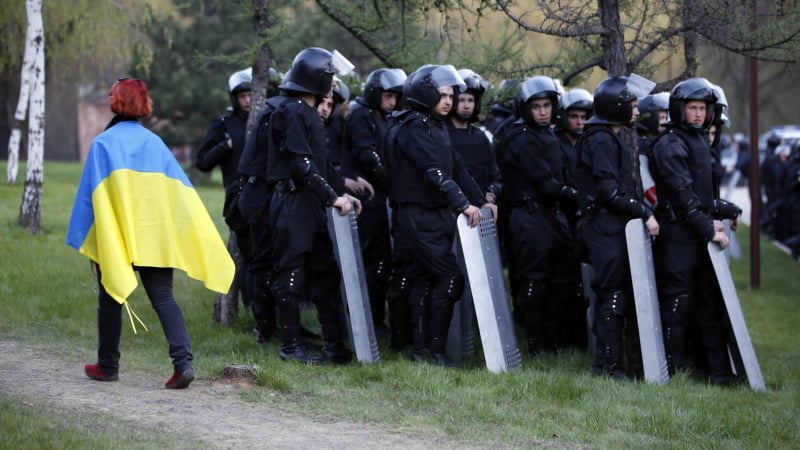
(375, 170)
(725, 210)
(629, 206)
(304, 169)
(702, 224)
(452, 193)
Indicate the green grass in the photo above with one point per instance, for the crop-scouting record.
(48, 299)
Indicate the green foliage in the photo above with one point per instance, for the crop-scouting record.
(550, 402)
(76, 31)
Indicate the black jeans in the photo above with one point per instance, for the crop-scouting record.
(158, 285)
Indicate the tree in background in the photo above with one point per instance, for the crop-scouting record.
(69, 43)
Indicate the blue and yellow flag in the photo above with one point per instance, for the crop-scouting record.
(135, 206)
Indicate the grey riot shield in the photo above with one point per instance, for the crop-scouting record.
(480, 249)
(743, 352)
(358, 314)
(461, 336)
(587, 277)
(648, 315)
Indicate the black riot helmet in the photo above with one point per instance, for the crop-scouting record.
(649, 108)
(421, 91)
(697, 89)
(241, 81)
(311, 73)
(340, 92)
(533, 88)
(576, 98)
(383, 80)
(613, 97)
(720, 108)
(477, 86)
(274, 82)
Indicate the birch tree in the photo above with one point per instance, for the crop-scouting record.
(31, 101)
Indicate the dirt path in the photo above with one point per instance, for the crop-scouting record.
(209, 411)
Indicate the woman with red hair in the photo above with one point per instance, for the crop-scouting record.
(136, 211)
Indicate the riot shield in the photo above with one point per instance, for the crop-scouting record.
(480, 250)
(358, 314)
(648, 315)
(743, 353)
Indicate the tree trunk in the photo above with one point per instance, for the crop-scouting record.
(261, 26)
(30, 209)
(34, 42)
(226, 306)
(616, 58)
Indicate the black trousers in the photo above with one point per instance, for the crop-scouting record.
(158, 285)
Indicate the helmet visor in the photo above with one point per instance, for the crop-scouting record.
(447, 75)
(639, 85)
(342, 65)
(393, 79)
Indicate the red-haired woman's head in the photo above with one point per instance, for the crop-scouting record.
(129, 97)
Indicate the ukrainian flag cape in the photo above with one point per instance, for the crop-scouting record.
(135, 206)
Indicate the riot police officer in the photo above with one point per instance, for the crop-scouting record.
(687, 209)
(606, 184)
(304, 183)
(538, 189)
(430, 185)
(223, 146)
(652, 118)
(365, 129)
(470, 141)
(576, 108)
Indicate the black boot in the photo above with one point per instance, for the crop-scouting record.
(530, 300)
(289, 317)
(675, 316)
(399, 313)
(419, 306)
(611, 329)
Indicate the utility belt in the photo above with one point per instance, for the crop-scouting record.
(285, 186)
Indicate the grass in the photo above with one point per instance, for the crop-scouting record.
(48, 300)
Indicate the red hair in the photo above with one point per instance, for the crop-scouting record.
(129, 97)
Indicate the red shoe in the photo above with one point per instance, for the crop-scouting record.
(94, 372)
(180, 379)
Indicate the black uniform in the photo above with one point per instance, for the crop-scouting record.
(304, 184)
(427, 177)
(215, 151)
(537, 189)
(253, 203)
(686, 281)
(606, 185)
(364, 131)
(478, 154)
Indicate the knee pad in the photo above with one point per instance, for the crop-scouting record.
(291, 281)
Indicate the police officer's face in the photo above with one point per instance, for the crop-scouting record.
(635, 107)
(466, 105)
(541, 110)
(445, 101)
(325, 108)
(712, 133)
(575, 120)
(243, 98)
(388, 100)
(695, 112)
(663, 118)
